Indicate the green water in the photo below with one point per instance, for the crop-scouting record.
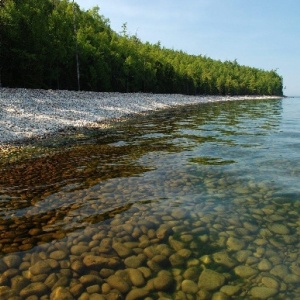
(194, 203)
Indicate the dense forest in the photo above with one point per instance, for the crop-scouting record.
(53, 44)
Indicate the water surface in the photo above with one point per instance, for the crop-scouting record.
(190, 203)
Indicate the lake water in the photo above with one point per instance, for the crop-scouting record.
(194, 203)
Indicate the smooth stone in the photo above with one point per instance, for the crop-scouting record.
(295, 268)
(6, 292)
(40, 267)
(136, 277)
(51, 280)
(210, 280)
(176, 245)
(79, 249)
(235, 244)
(292, 278)
(77, 290)
(230, 290)
(12, 261)
(219, 296)
(224, 259)
(61, 293)
(134, 261)
(99, 262)
(185, 253)
(34, 289)
(177, 260)
(94, 289)
(261, 292)
(160, 259)
(191, 273)
(279, 228)
(270, 283)
(264, 265)
(18, 283)
(90, 279)
(138, 293)
(58, 255)
(96, 296)
(118, 283)
(163, 231)
(242, 255)
(77, 266)
(245, 271)
(62, 281)
(189, 286)
(280, 271)
(122, 250)
(163, 281)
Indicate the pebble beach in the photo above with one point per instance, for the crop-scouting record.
(26, 113)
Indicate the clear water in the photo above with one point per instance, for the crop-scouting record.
(147, 207)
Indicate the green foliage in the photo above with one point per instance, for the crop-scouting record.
(40, 39)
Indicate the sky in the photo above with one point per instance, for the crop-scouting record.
(264, 34)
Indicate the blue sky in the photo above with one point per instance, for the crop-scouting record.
(258, 33)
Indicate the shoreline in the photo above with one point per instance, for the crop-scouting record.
(28, 114)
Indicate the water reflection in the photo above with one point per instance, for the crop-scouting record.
(183, 204)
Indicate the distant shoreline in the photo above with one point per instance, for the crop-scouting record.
(28, 113)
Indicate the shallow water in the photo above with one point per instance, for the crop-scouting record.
(194, 203)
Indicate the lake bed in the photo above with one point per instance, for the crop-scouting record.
(200, 202)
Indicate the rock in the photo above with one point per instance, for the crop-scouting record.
(139, 293)
(279, 228)
(163, 231)
(90, 279)
(12, 261)
(280, 271)
(58, 255)
(260, 292)
(163, 281)
(96, 296)
(77, 289)
(210, 280)
(34, 289)
(189, 286)
(219, 296)
(185, 253)
(224, 259)
(136, 277)
(6, 292)
(18, 283)
(98, 262)
(118, 283)
(235, 244)
(134, 261)
(61, 293)
(245, 271)
(94, 289)
(177, 260)
(230, 290)
(242, 255)
(79, 249)
(264, 265)
(122, 250)
(191, 273)
(40, 267)
(270, 283)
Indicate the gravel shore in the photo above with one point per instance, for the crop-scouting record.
(26, 113)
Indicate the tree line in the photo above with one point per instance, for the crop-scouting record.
(53, 44)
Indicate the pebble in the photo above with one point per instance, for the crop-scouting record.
(210, 280)
(263, 292)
